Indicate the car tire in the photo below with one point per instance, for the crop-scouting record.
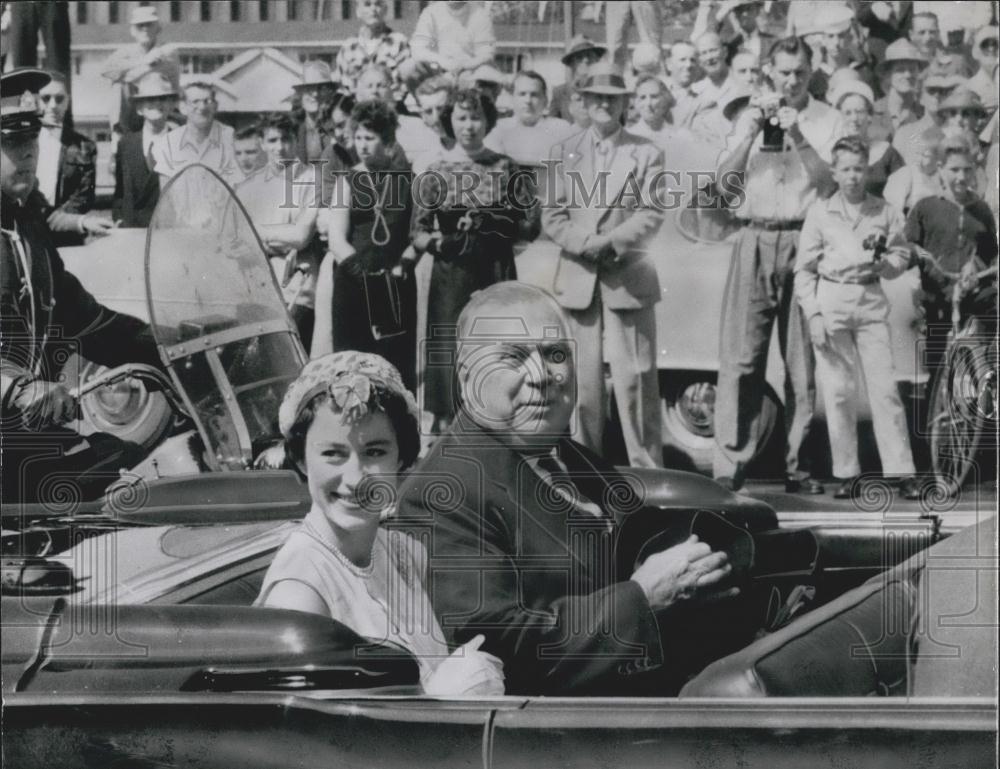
(127, 410)
(688, 418)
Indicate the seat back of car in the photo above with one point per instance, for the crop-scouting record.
(855, 645)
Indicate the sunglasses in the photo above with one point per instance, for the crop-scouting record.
(58, 98)
(968, 113)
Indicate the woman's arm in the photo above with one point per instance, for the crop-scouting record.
(295, 595)
(322, 340)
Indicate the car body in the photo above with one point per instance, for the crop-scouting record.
(160, 660)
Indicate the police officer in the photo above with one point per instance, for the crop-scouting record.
(44, 314)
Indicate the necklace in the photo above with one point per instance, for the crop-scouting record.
(362, 572)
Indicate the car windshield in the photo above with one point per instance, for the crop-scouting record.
(218, 314)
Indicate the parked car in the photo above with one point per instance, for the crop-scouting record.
(132, 642)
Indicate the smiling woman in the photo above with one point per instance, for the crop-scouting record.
(350, 426)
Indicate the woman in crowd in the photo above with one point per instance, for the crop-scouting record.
(366, 295)
(652, 104)
(854, 100)
(350, 426)
(910, 184)
(468, 211)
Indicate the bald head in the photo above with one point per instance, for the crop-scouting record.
(515, 364)
(710, 55)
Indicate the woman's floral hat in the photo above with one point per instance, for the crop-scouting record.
(351, 379)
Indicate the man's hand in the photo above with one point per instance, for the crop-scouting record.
(817, 332)
(788, 120)
(684, 572)
(598, 248)
(96, 225)
(43, 404)
(749, 123)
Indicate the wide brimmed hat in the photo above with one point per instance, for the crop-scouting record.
(983, 34)
(734, 100)
(315, 73)
(607, 83)
(154, 85)
(143, 14)
(19, 103)
(962, 98)
(902, 50)
(581, 44)
(827, 18)
(849, 87)
(731, 5)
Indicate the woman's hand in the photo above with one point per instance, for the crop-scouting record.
(467, 672)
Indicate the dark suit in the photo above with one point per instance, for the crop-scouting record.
(882, 33)
(76, 187)
(137, 187)
(534, 574)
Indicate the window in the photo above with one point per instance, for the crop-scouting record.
(77, 64)
(264, 10)
(81, 12)
(345, 9)
(175, 10)
(112, 12)
(203, 63)
(235, 8)
(293, 10)
(205, 10)
(397, 9)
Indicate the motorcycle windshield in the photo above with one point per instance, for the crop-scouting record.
(218, 316)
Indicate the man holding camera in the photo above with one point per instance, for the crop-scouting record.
(779, 147)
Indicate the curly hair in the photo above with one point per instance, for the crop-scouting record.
(376, 116)
(473, 100)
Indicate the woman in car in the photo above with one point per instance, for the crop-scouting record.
(469, 208)
(351, 426)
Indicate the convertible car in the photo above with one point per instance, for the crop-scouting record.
(129, 641)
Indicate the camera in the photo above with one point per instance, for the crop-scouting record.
(774, 135)
(875, 243)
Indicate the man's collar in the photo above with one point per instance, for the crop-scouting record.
(214, 136)
(613, 137)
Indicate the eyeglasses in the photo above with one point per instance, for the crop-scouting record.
(991, 44)
(58, 98)
(967, 113)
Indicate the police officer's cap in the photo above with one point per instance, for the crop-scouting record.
(18, 101)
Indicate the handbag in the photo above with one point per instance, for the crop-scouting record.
(385, 311)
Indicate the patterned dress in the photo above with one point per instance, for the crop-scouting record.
(471, 202)
(387, 48)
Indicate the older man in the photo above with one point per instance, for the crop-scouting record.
(201, 140)
(45, 313)
(521, 520)
(376, 43)
(600, 209)
(902, 67)
(783, 159)
(581, 54)
(130, 62)
(681, 67)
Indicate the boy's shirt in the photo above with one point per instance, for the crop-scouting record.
(831, 246)
(952, 231)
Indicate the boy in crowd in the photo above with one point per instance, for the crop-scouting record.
(287, 232)
(848, 243)
(957, 229)
(246, 148)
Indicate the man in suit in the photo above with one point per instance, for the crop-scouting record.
(521, 522)
(886, 23)
(600, 209)
(137, 187)
(67, 172)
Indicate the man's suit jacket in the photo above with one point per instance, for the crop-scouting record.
(137, 187)
(509, 559)
(76, 187)
(882, 33)
(625, 209)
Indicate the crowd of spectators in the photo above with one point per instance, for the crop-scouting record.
(894, 89)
